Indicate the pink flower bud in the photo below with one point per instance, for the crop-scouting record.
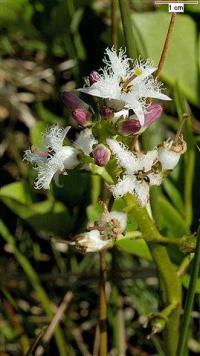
(94, 77)
(129, 127)
(81, 116)
(106, 112)
(101, 155)
(152, 114)
(72, 101)
(132, 125)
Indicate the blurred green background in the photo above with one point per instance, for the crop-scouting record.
(47, 46)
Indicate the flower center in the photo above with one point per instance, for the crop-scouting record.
(137, 71)
(142, 176)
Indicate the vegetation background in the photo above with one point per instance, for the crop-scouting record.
(47, 46)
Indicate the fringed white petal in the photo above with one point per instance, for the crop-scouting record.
(34, 157)
(142, 192)
(65, 158)
(117, 63)
(124, 186)
(54, 136)
(85, 141)
(125, 158)
(155, 179)
(146, 161)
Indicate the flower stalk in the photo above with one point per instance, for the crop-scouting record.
(166, 44)
(166, 270)
(102, 304)
(182, 345)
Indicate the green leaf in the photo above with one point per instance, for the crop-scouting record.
(49, 215)
(181, 62)
(174, 195)
(168, 219)
(136, 247)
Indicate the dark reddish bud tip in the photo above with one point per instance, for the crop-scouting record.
(81, 116)
(94, 77)
(106, 112)
(129, 127)
(72, 101)
(101, 155)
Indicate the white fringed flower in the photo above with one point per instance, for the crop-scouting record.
(85, 141)
(56, 158)
(126, 84)
(139, 172)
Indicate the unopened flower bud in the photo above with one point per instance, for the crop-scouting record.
(72, 101)
(81, 116)
(129, 127)
(132, 125)
(78, 108)
(106, 112)
(94, 77)
(152, 114)
(101, 155)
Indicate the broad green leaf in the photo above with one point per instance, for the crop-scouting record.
(17, 191)
(174, 194)
(48, 215)
(168, 219)
(136, 247)
(181, 62)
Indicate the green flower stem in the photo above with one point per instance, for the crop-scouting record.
(114, 22)
(127, 27)
(34, 280)
(167, 272)
(184, 265)
(160, 320)
(182, 345)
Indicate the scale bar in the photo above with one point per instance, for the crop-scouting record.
(188, 2)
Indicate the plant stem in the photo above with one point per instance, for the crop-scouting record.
(184, 265)
(102, 305)
(167, 272)
(182, 345)
(127, 27)
(166, 45)
(114, 22)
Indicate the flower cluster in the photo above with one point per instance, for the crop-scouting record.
(124, 89)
